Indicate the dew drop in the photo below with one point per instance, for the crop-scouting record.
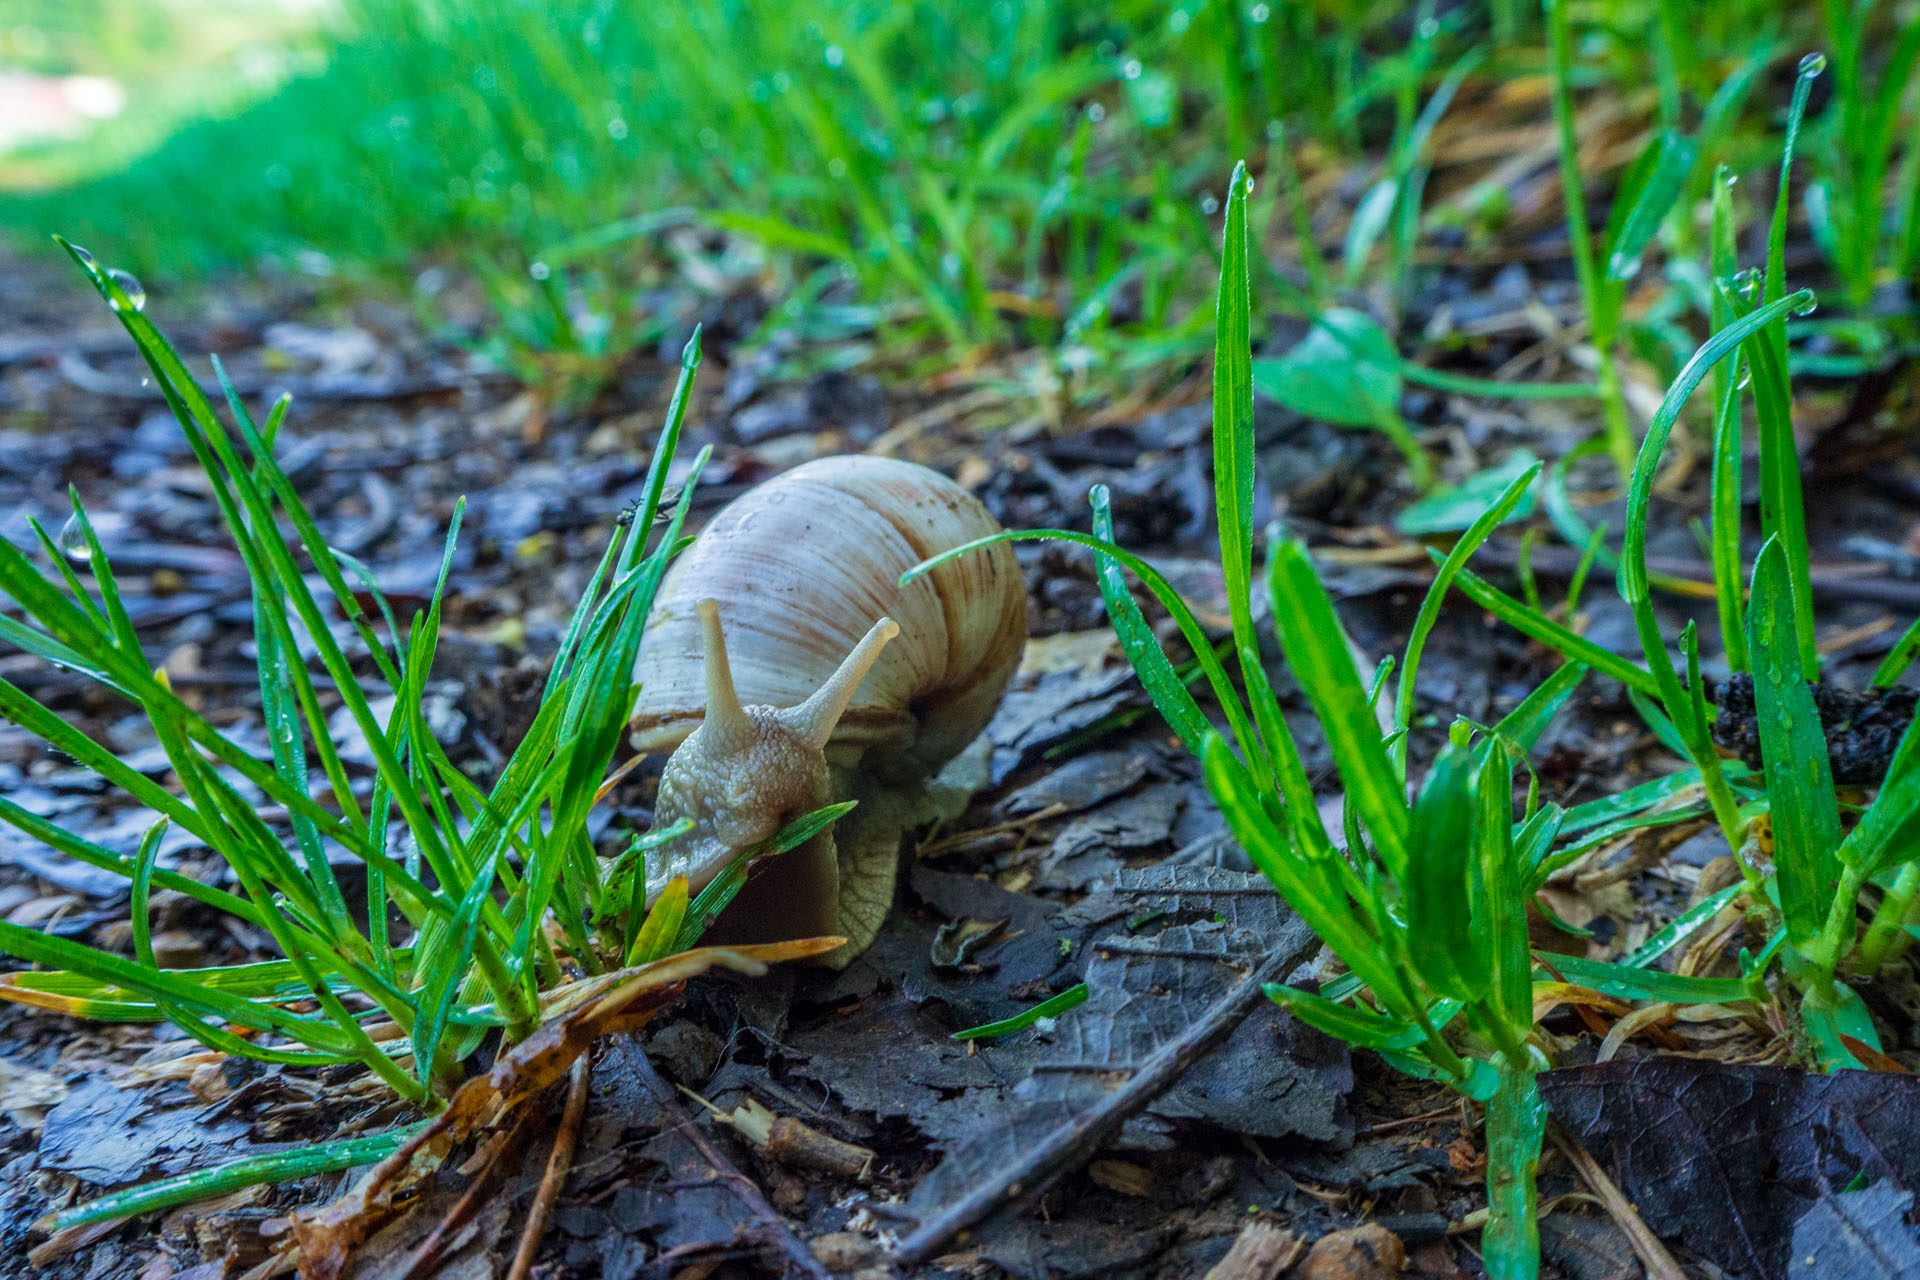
(1808, 307)
(1727, 177)
(83, 255)
(73, 540)
(539, 270)
(135, 291)
(1812, 65)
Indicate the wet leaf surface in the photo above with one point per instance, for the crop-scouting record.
(111, 1135)
(1856, 1235)
(1728, 1159)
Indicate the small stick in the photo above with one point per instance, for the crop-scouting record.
(559, 1163)
(432, 1251)
(1659, 1263)
(1070, 1144)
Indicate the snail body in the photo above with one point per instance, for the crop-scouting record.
(786, 668)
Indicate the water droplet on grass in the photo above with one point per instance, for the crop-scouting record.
(73, 540)
(1808, 307)
(1812, 65)
(83, 255)
(129, 285)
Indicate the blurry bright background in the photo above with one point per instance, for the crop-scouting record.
(931, 181)
(87, 86)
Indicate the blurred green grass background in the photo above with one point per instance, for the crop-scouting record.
(955, 179)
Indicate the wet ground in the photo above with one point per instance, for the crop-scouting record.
(1088, 845)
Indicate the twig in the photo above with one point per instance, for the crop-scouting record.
(432, 1251)
(558, 1165)
(773, 1228)
(1071, 1143)
(1653, 1255)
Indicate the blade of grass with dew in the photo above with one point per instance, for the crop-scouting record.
(250, 1171)
(1233, 463)
(1632, 577)
(1317, 650)
(1675, 931)
(1439, 892)
(1806, 821)
(1647, 984)
(1071, 998)
(1774, 285)
(1357, 1026)
(1729, 586)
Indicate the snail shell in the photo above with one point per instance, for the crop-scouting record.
(801, 571)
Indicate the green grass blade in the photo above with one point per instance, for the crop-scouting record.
(1782, 505)
(1500, 924)
(1647, 984)
(1729, 592)
(1516, 1125)
(1898, 658)
(281, 1166)
(1644, 200)
(1233, 415)
(161, 984)
(1317, 650)
(1358, 1027)
(1566, 643)
(1071, 998)
(1774, 287)
(1522, 726)
(1806, 819)
(712, 900)
(1675, 931)
(1469, 542)
(1440, 890)
(662, 926)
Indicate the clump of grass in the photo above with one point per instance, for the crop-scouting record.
(1803, 896)
(1426, 904)
(958, 165)
(451, 942)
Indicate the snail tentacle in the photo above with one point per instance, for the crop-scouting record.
(727, 726)
(813, 721)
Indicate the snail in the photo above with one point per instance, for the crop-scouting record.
(786, 668)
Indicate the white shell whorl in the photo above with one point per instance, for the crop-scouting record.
(802, 567)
